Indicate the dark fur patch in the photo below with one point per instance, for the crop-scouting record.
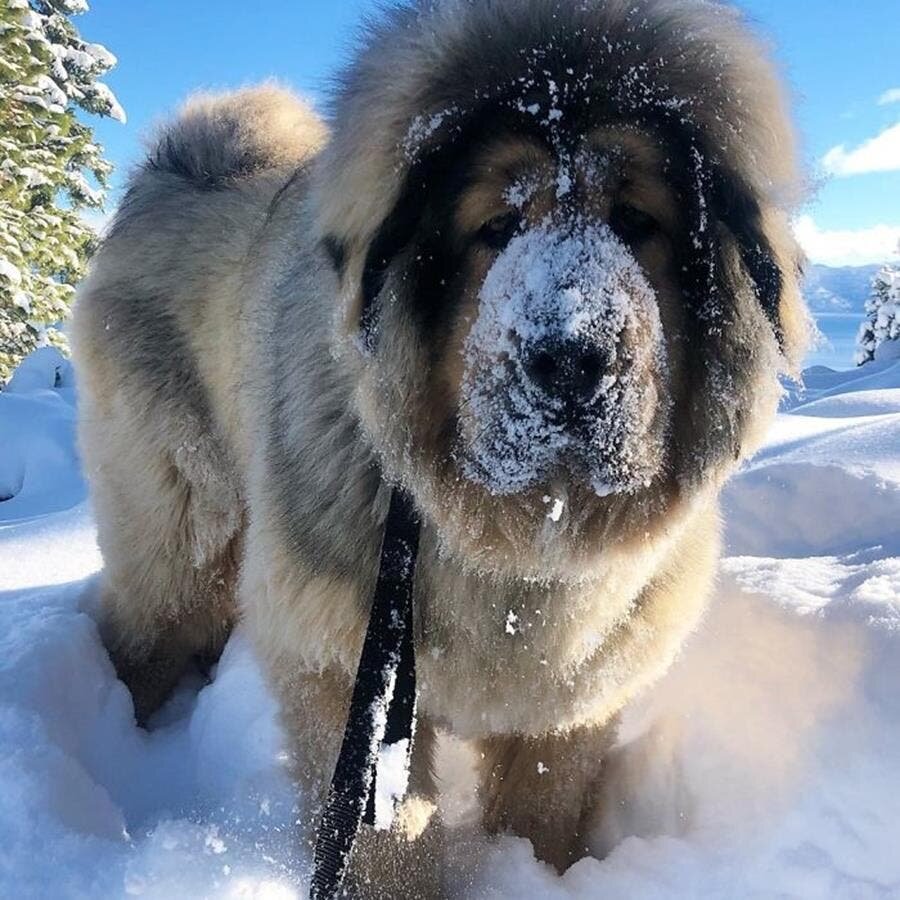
(176, 157)
(421, 221)
(206, 166)
(393, 236)
(336, 252)
(739, 211)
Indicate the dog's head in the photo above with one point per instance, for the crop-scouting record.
(569, 283)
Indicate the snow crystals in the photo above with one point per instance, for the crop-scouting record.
(556, 510)
(569, 282)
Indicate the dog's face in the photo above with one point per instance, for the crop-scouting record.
(557, 369)
(562, 339)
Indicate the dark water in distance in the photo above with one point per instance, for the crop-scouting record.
(838, 343)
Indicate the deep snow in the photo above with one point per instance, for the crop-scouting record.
(767, 763)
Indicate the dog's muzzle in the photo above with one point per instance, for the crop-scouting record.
(564, 364)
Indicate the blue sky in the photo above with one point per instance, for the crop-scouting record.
(840, 58)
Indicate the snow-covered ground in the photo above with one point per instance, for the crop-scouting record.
(766, 764)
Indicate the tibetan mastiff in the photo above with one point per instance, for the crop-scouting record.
(535, 266)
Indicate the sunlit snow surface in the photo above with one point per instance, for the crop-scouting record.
(765, 764)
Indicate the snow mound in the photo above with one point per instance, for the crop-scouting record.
(38, 464)
(763, 765)
(820, 381)
(828, 479)
(198, 807)
(860, 403)
(802, 509)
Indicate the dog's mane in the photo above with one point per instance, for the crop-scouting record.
(426, 67)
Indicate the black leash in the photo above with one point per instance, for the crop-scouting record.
(383, 705)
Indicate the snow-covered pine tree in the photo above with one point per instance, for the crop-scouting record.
(50, 167)
(879, 334)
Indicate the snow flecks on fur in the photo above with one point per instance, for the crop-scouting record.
(521, 191)
(421, 129)
(556, 508)
(567, 284)
(543, 96)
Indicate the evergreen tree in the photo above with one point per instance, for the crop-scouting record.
(879, 334)
(50, 167)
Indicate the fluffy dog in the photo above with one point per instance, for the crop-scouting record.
(536, 269)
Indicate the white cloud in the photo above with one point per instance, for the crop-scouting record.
(879, 154)
(889, 96)
(846, 247)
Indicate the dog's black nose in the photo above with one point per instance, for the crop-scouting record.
(568, 370)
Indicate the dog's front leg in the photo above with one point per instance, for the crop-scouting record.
(407, 861)
(545, 788)
(403, 862)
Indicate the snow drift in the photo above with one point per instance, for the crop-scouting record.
(765, 763)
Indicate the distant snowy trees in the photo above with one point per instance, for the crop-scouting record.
(50, 167)
(879, 334)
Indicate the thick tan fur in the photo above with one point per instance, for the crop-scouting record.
(235, 437)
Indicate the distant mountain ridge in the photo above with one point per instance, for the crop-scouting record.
(841, 289)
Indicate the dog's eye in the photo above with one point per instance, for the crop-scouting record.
(498, 231)
(631, 224)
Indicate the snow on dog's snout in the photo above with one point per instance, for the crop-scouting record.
(562, 292)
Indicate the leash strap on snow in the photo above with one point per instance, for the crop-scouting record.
(382, 708)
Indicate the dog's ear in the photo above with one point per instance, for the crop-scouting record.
(393, 236)
(773, 260)
(738, 240)
(794, 322)
(739, 211)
